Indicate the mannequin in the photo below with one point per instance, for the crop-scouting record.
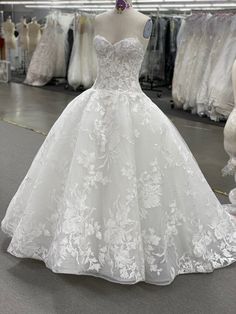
(23, 34)
(34, 34)
(8, 31)
(125, 22)
(230, 143)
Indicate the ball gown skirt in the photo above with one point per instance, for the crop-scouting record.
(114, 191)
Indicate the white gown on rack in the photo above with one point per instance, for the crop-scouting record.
(115, 192)
(86, 56)
(196, 62)
(203, 52)
(178, 86)
(74, 71)
(62, 26)
(220, 83)
(42, 64)
(50, 57)
(219, 32)
(82, 68)
(202, 77)
(93, 52)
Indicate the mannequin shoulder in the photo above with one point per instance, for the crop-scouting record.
(100, 18)
(34, 25)
(145, 24)
(142, 17)
(8, 25)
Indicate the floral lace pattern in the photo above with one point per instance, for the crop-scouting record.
(122, 61)
(114, 190)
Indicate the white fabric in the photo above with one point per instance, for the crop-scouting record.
(63, 22)
(202, 77)
(74, 71)
(115, 192)
(42, 64)
(50, 56)
(83, 67)
(86, 53)
(220, 85)
(178, 77)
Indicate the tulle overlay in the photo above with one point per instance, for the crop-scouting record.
(115, 192)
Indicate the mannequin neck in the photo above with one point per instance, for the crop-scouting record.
(122, 5)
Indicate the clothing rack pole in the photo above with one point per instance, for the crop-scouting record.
(226, 10)
(74, 10)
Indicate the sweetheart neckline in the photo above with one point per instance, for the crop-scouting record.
(119, 41)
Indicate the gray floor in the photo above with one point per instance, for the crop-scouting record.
(27, 286)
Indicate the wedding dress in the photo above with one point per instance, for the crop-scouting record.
(203, 53)
(202, 76)
(194, 64)
(86, 57)
(93, 52)
(114, 191)
(217, 46)
(50, 57)
(63, 23)
(220, 84)
(178, 87)
(74, 71)
(82, 67)
(42, 64)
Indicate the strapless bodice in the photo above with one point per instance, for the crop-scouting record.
(118, 64)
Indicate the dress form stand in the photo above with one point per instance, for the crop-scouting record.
(8, 28)
(34, 34)
(125, 21)
(230, 144)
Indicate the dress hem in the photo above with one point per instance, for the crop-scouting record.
(113, 280)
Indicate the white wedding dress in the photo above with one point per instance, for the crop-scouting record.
(115, 192)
